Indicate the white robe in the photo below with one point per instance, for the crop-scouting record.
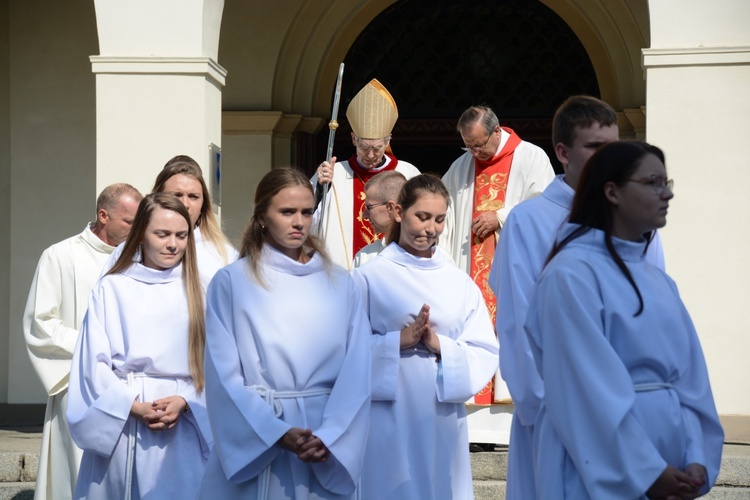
(340, 207)
(624, 395)
(302, 343)
(368, 253)
(55, 308)
(525, 241)
(134, 347)
(530, 173)
(418, 441)
(208, 258)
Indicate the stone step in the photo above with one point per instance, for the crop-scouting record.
(733, 483)
(16, 491)
(19, 462)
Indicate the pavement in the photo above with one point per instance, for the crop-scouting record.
(19, 456)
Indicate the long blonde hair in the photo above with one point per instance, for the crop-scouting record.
(210, 227)
(190, 276)
(254, 237)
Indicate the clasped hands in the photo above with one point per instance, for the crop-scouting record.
(484, 224)
(675, 484)
(420, 329)
(305, 445)
(161, 414)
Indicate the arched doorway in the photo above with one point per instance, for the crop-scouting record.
(439, 57)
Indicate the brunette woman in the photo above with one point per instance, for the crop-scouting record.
(433, 348)
(628, 410)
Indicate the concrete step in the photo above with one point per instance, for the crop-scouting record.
(16, 491)
(489, 468)
(19, 456)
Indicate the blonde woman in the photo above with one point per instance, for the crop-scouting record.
(287, 359)
(182, 177)
(136, 406)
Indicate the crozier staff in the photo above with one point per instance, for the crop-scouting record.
(372, 114)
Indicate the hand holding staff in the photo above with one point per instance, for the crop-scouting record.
(330, 159)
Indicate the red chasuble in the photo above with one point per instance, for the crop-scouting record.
(362, 232)
(490, 183)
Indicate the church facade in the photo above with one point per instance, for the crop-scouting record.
(96, 92)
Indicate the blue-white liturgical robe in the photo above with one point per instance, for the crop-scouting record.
(418, 446)
(624, 395)
(133, 346)
(294, 354)
(525, 242)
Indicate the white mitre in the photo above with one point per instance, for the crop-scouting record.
(373, 112)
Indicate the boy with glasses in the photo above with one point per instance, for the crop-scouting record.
(381, 195)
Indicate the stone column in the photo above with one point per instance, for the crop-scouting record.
(158, 86)
(698, 112)
(255, 142)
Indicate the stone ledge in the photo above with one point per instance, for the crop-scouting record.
(489, 466)
(16, 491)
(735, 466)
(18, 466)
(30, 467)
(728, 493)
(489, 490)
(11, 467)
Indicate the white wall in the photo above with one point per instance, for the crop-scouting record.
(52, 153)
(698, 111)
(4, 194)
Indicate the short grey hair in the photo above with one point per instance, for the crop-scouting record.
(478, 114)
(388, 184)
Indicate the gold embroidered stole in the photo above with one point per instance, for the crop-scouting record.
(490, 183)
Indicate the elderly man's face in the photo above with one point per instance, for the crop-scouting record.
(479, 143)
(370, 151)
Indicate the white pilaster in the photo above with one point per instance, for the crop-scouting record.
(158, 86)
(698, 112)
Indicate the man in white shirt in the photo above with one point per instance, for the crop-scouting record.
(57, 303)
(497, 171)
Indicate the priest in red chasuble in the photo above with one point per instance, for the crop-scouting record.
(497, 172)
(372, 113)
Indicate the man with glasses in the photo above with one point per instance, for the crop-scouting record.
(581, 125)
(371, 114)
(497, 171)
(381, 196)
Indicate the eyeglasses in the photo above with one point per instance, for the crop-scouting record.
(476, 149)
(369, 149)
(375, 205)
(658, 184)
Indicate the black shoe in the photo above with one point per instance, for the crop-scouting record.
(476, 447)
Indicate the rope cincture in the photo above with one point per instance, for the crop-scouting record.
(272, 397)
